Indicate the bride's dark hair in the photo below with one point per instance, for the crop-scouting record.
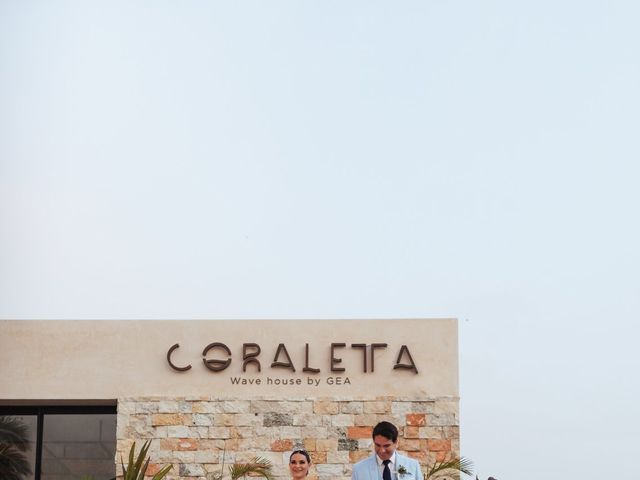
(301, 452)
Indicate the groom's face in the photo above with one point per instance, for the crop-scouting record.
(384, 447)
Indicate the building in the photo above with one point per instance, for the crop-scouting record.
(207, 391)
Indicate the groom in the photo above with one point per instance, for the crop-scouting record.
(386, 464)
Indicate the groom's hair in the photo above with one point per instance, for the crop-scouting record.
(387, 430)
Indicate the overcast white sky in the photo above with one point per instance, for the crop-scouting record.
(303, 159)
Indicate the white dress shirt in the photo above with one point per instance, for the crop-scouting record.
(392, 466)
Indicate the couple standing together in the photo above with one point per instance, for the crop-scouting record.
(385, 464)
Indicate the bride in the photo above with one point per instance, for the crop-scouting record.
(299, 463)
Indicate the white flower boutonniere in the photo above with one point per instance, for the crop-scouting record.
(402, 472)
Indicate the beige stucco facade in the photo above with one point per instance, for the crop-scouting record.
(111, 359)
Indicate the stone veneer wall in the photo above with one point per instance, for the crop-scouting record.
(193, 432)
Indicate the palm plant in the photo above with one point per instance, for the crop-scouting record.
(136, 469)
(461, 464)
(258, 466)
(14, 443)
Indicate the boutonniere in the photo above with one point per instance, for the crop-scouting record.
(402, 471)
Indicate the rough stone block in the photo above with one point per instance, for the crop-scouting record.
(356, 456)
(337, 432)
(326, 407)
(159, 432)
(368, 419)
(192, 470)
(213, 468)
(359, 432)
(420, 456)
(316, 432)
(411, 432)
(236, 406)
(318, 457)
(310, 444)
(140, 431)
(211, 444)
(401, 408)
(438, 445)
(326, 444)
(431, 432)
(206, 407)
(445, 407)
(416, 419)
(255, 443)
(397, 420)
(282, 445)
(168, 406)
(352, 407)
(423, 407)
(202, 419)
(187, 444)
(169, 443)
(223, 420)
(377, 407)
(442, 420)
(178, 432)
(409, 445)
(286, 407)
(291, 432)
(219, 432)
(200, 432)
(127, 408)
(365, 444)
(162, 456)
(342, 420)
(330, 470)
(205, 456)
(338, 457)
(277, 419)
(307, 420)
(168, 419)
(147, 407)
(451, 432)
(122, 424)
(154, 468)
(123, 446)
(347, 444)
(183, 457)
(247, 420)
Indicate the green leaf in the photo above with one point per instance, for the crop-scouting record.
(139, 464)
(258, 466)
(162, 472)
(463, 465)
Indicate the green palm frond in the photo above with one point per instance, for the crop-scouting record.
(461, 464)
(258, 466)
(13, 464)
(137, 467)
(14, 443)
(14, 432)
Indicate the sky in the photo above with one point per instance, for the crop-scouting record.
(285, 160)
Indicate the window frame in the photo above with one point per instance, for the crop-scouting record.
(41, 410)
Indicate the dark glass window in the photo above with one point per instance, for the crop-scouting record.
(18, 435)
(57, 443)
